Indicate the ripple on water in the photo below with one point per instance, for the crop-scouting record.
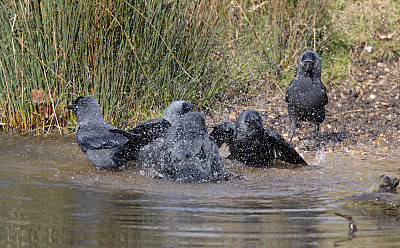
(51, 194)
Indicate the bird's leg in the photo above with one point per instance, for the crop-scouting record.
(316, 141)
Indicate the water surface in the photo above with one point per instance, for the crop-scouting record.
(52, 196)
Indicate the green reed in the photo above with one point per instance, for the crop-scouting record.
(135, 57)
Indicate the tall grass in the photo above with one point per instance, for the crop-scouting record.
(271, 35)
(137, 56)
(131, 57)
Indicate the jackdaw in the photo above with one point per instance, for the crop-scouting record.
(189, 153)
(251, 144)
(93, 135)
(306, 94)
(147, 138)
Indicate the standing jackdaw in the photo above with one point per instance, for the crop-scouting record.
(93, 134)
(189, 153)
(251, 144)
(306, 94)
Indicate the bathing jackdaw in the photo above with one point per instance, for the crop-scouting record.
(306, 94)
(147, 138)
(189, 153)
(251, 144)
(94, 137)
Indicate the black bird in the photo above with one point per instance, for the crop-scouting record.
(189, 153)
(94, 137)
(306, 94)
(251, 144)
(147, 138)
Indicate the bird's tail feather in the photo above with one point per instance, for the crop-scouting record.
(282, 150)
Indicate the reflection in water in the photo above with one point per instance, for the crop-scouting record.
(137, 219)
(51, 195)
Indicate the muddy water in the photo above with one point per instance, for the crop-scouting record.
(51, 196)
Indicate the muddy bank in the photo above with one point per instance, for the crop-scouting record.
(362, 115)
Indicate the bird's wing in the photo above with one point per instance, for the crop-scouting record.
(224, 133)
(145, 132)
(181, 148)
(288, 89)
(214, 159)
(151, 129)
(141, 137)
(280, 149)
(100, 140)
(324, 92)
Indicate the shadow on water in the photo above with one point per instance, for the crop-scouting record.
(52, 196)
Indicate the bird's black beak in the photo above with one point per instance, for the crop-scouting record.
(308, 65)
(255, 125)
(71, 107)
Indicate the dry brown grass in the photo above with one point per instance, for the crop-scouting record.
(371, 23)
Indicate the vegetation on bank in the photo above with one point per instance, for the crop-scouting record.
(135, 57)
(370, 28)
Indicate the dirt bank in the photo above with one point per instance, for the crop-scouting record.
(362, 114)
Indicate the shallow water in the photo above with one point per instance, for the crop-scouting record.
(51, 196)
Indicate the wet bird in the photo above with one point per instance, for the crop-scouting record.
(306, 94)
(175, 110)
(189, 153)
(251, 144)
(93, 134)
(146, 139)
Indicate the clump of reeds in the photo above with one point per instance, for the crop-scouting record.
(136, 57)
(133, 56)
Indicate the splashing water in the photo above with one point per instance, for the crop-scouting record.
(320, 156)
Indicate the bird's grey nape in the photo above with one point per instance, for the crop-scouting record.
(175, 110)
(87, 109)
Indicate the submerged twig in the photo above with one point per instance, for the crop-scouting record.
(352, 225)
